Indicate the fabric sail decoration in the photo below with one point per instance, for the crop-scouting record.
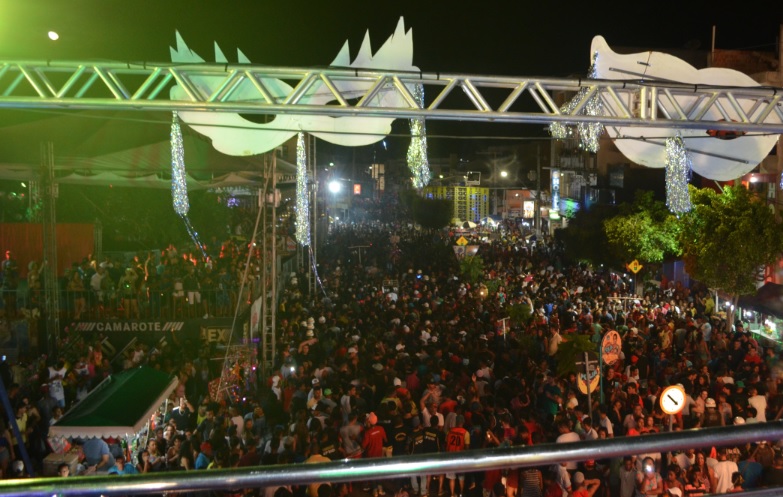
(302, 195)
(678, 173)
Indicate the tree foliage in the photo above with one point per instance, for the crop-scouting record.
(584, 239)
(643, 230)
(520, 313)
(572, 351)
(471, 267)
(727, 239)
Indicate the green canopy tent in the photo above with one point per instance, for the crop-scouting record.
(119, 407)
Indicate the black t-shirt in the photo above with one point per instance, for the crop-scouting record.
(182, 418)
(399, 440)
(417, 442)
(434, 440)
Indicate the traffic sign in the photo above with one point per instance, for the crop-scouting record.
(462, 241)
(672, 399)
(589, 376)
(290, 244)
(634, 266)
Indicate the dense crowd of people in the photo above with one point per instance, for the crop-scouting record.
(402, 354)
(160, 284)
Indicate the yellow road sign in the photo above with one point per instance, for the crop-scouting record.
(634, 266)
(462, 241)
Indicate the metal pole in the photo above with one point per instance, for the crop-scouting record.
(587, 381)
(601, 377)
(354, 470)
(273, 276)
(537, 198)
(312, 259)
(49, 224)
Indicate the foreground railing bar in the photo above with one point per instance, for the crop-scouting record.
(389, 468)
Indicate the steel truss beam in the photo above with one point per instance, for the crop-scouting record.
(506, 99)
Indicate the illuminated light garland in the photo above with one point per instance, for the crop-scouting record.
(302, 195)
(588, 133)
(418, 164)
(179, 181)
(678, 173)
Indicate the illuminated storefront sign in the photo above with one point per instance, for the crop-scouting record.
(555, 188)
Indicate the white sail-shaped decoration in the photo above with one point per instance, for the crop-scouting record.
(712, 158)
(234, 135)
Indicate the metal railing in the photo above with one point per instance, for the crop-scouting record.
(350, 470)
(143, 304)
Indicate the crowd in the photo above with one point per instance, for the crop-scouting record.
(399, 354)
(170, 283)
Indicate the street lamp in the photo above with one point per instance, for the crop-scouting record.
(335, 186)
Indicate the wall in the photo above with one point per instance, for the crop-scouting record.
(25, 240)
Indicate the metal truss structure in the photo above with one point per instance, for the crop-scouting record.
(144, 86)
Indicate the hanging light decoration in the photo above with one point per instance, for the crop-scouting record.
(678, 173)
(418, 164)
(588, 133)
(179, 181)
(302, 195)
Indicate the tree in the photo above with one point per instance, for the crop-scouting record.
(520, 313)
(572, 351)
(643, 230)
(728, 238)
(471, 267)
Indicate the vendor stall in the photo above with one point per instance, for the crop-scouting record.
(120, 408)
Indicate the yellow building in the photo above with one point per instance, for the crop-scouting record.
(471, 203)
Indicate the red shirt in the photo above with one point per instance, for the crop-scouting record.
(457, 440)
(373, 441)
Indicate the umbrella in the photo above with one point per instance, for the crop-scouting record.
(468, 224)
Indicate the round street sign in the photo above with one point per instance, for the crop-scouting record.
(672, 399)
